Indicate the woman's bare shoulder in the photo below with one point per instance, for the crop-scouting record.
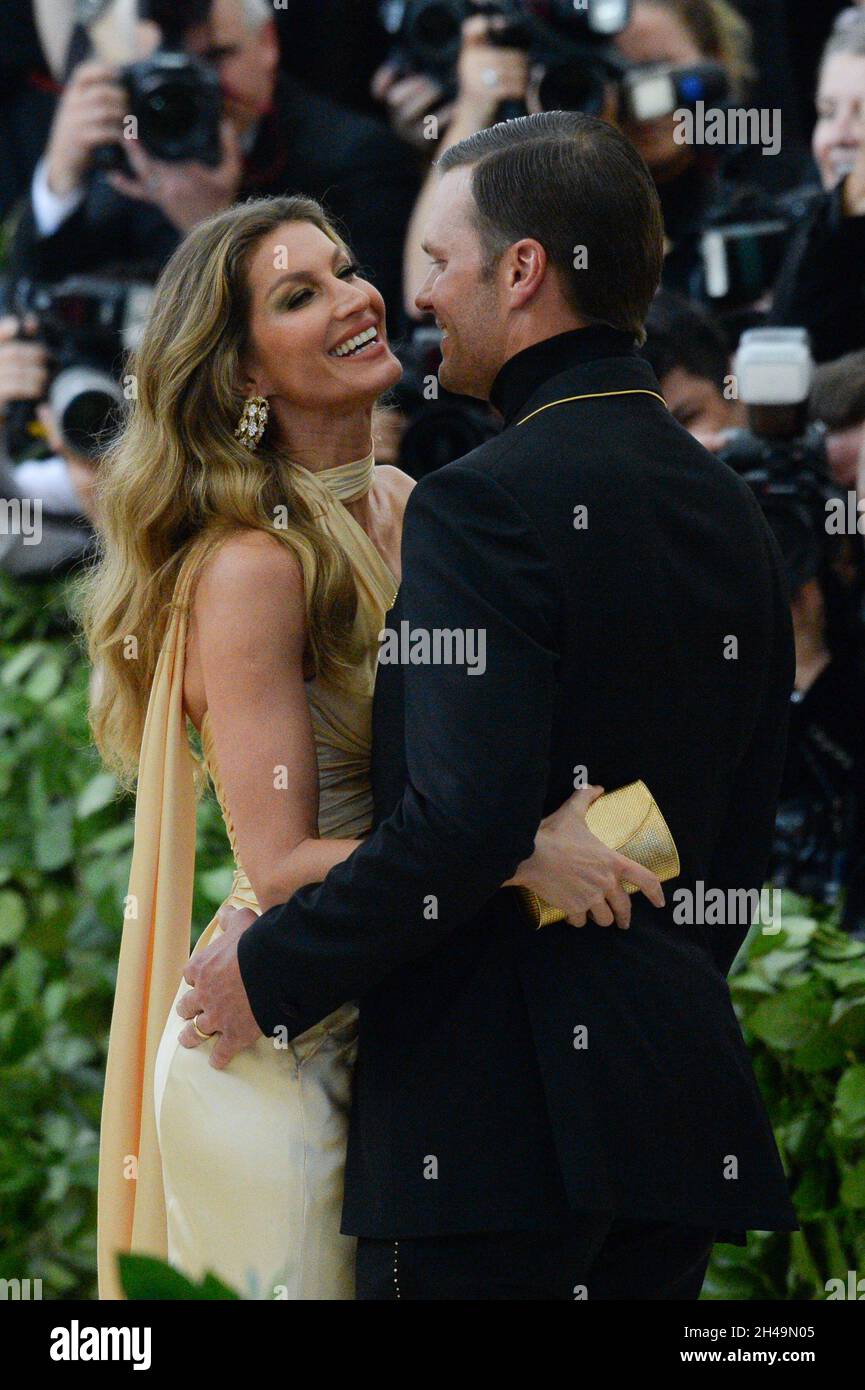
(397, 485)
(247, 610)
(249, 595)
(395, 477)
(249, 564)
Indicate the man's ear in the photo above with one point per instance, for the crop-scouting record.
(526, 269)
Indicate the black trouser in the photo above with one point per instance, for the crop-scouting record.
(592, 1257)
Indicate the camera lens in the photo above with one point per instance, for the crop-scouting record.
(433, 31)
(574, 86)
(85, 402)
(171, 108)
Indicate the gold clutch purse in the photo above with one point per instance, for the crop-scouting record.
(627, 820)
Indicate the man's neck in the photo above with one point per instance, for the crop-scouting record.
(528, 334)
(526, 370)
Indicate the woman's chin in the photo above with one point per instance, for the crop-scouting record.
(372, 378)
(385, 372)
(394, 366)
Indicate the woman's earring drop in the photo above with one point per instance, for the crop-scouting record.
(252, 421)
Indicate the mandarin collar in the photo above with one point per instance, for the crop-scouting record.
(523, 373)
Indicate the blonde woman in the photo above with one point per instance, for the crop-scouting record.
(251, 548)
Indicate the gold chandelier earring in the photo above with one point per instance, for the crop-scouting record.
(253, 421)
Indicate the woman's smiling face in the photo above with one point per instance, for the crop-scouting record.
(839, 132)
(308, 307)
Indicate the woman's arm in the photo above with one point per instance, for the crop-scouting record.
(249, 623)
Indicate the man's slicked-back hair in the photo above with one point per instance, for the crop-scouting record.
(570, 182)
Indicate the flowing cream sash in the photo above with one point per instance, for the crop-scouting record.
(153, 952)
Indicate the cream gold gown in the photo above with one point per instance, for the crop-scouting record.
(240, 1170)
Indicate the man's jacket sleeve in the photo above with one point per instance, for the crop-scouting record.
(477, 748)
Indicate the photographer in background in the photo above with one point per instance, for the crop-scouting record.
(819, 847)
(28, 97)
(343, 44)
(681, 33)
(819, 843)
(408, 97)
(822, 281)
(687, 32)
(690, 356)
(701, 187)
(274, 136)
(59, 489)
(668, 55)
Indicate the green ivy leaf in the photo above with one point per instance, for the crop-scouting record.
(845, 976)
(112, 841)
(144, 1277)
(215, 884)
(788, 1020)
(792, 905)
(54, 999)
(795, 930)
(53, 839)
(850, 1095)
(811, 1196)
(45, 680)
(778, 962)
(213, 1288)
(847, 1021)
(13, 917)
(27, 971)
(99, 792)
(822, 1052)
(836, 945)
(749, 982)
(66, 1052)
(853, 1186)
(18, 666)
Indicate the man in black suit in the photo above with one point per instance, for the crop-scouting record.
(553, 1113)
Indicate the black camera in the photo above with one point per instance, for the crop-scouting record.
(780, 455)
(89, 325)
(176, 103)
(572, 43)
(742, 260)
(783, 460)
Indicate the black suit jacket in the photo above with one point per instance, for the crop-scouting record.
(479, 1103)
(307, 144)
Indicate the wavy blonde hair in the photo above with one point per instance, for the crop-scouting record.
(175, 481)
